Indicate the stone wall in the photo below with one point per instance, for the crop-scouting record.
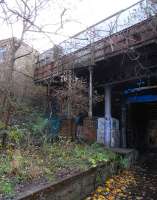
(89, 129)
(78, 186)
(73, 188)
(68, 129)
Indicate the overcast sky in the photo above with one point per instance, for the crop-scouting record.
(79, 15)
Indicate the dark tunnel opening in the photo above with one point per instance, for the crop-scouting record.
(142, 126)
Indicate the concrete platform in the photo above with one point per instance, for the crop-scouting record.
(122, 150)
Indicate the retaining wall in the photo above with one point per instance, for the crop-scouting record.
(80, 185)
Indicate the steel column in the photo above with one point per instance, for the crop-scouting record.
(90, 112)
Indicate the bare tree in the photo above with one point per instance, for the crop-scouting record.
(24, 13)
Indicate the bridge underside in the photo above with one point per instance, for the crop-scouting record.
(132, 78)
(126, 74)
(134, 64)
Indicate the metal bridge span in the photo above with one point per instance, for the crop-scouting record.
(128, 29)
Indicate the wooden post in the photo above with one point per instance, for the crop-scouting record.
(90, 113)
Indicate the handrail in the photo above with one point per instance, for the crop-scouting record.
(117, 22)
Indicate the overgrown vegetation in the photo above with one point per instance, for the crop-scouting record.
(30, 157)
(23, 162)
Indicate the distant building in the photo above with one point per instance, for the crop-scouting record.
(23, 60)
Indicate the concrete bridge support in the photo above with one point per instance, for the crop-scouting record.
(107, 129)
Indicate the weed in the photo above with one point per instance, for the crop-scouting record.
(48, 161)
(6, 188)
(123, 162)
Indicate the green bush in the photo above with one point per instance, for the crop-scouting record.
(2, 125)
(123, 162)
(6, 188)
(15, 135)
(39, 125)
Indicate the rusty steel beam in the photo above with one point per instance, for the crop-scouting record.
(138, 35)
(132, 78)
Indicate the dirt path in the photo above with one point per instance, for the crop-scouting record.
(137, 184)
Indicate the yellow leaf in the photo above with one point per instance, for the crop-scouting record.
(99, 189)
(139, 198)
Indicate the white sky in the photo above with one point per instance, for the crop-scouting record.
(81, 13)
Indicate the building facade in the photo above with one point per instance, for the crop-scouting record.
(17, 65)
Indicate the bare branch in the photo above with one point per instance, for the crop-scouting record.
(24, 55)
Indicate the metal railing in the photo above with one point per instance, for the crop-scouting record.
(121, 20)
